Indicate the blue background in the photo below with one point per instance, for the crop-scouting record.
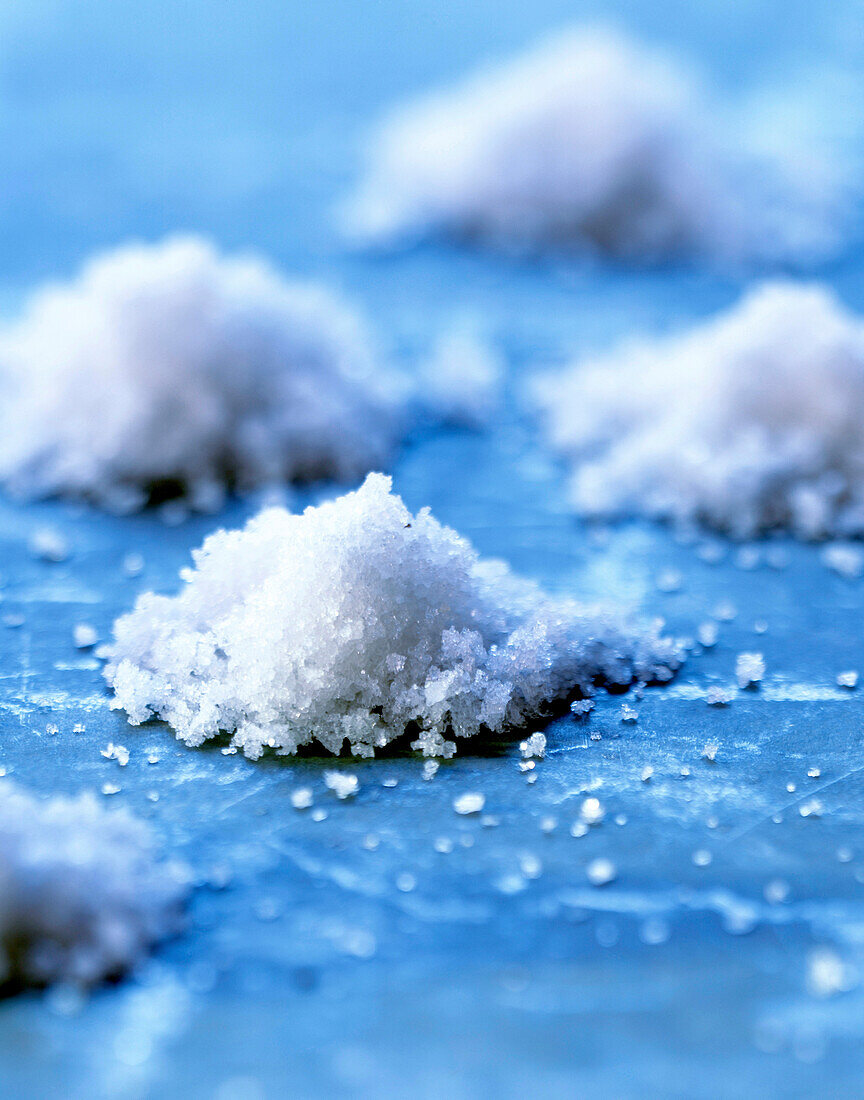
(244, 121)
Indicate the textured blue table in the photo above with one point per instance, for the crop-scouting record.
(307, 968)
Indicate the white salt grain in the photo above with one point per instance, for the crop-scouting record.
(848, 679)
(749, 669)
(84, 636)
(718, 697)
(83, 896)
(747, 422)
(469, 803)
(301, 798)
(845, 559)
(601, 872)
(342, 784)
(356, 621)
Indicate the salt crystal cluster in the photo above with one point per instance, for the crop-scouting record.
(171, 367)
(592, 142)
(82, 894)
(358, 622)
(746, 422)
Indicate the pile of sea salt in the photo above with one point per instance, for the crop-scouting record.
(592, 142)
(748, 421)
(83, 896)
(172, 368)
(358, 622)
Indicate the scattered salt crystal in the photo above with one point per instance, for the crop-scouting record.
(52, 729)
(628, 713)
(685, 772)
(139, 358)
(469, 803)
(591, 811)
(406, 882)
(760, 627)
(845, 559)
(620, 819)
(581, 707)
(133, 565)
(663, 169)
(530, 866)
(669, 581)
(654, 931)
(749, 669)
(527, 765)
(444, 845)
(371, 842)
(790, 787)
(718, 697)
(827, 974)
(84, 636)
(706, 634)
(342, 784)
(49, 544)
(811, 808)
(702, 857)
(813, 773)
(548, 824)
(84, 896)
(848, 679)
(578, 829)
(601, 872)
(430, 769)
(535, 745)
(776, 891)
(844, 854)
(647, 773)
(79, 727)
(301, 798)
(110, 788)
(426, 635)
(391, 782)
(725, 612)
(490, 821)
(318, 814)
(755, 439)
(710, 751)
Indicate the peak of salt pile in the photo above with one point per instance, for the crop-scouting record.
(172, 366)
(82, 894)
(748, 421)
(358, 622)
(593, 142)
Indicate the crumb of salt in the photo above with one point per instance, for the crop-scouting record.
(84, 895)
(749, 669)
(426, 635)
(84, 636)
(592, 811)
(49, 544)
(706, 634)
(847, 679)
(601, 872)
(430, 769)
(469, 803)
(763, 435)
(535, 745)
(845, 559)
(342, 784)
(301, 798)
(710, 751)
(718, 697)
(628, 713)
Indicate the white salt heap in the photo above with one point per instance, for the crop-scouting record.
(171, 364)
(749, 421)
(593, 142)
(82, 895)
(358, 621)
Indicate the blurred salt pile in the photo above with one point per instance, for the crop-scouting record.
(82, 895)
(358, 621)
(749, 421)
(170, 365)
(592, 142)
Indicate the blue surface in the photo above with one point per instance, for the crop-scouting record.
(306, 970)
